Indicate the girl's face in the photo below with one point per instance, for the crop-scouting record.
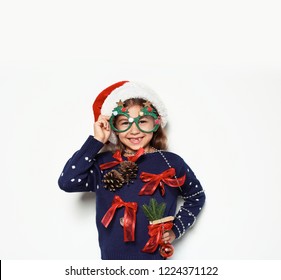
(133, 138)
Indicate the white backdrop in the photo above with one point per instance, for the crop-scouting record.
(217, 66)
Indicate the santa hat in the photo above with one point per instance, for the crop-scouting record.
(106, 100)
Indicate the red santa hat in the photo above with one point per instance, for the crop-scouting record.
(106, 100)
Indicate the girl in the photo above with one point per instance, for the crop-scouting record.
(136, 179)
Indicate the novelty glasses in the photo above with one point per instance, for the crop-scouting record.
(147, 121)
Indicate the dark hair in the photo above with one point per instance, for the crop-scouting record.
(159, 139)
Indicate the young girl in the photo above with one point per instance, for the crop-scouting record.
(136, 179)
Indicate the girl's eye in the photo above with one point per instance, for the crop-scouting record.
(125, 123)
(143, 121)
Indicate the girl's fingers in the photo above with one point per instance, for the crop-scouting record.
(103, 124)
(168, 236)
(103, 121)
(102, 128)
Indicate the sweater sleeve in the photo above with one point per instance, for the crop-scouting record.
(194, 198)
(81, 172)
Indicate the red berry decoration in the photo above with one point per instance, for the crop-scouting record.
(166, 250)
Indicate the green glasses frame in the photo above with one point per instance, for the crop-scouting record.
(120, 110)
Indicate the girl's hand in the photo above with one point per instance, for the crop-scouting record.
(102, 129)
(168, 236)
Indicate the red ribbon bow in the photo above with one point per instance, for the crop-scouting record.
(155, 232)
(118, 157)
(129, 217)
(155, 180)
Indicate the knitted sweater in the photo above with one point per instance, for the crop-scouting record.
(82, 173)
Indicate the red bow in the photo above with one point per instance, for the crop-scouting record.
(118, 157)
(155, 180)
(155, 232)
(129, 217)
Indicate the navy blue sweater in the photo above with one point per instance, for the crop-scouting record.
(82, 173)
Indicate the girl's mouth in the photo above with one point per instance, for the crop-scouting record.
(135, 140)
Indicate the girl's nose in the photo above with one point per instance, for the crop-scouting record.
(134, 129)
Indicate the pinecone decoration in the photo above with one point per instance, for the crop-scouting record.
(129, 171)
(113, 180)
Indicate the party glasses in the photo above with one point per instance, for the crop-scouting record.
(147, 121)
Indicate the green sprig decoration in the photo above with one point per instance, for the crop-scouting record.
(154, 211)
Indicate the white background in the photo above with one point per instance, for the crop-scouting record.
(217, 66)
